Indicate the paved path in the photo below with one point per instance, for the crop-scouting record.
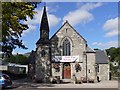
(104, 84)
(28, 85)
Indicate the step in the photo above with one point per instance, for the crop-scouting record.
(66, 80)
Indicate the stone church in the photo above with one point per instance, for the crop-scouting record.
(66, 56)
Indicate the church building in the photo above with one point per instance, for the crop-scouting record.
(66, 56)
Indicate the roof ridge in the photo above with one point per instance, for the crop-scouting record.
(71, 27)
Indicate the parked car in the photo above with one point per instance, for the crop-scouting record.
(5, 81)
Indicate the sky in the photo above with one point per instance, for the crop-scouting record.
(97, 22)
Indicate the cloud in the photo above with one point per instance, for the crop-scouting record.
(78, 16)
(31, 28)
(111, 27)
(53, 20)
(105, 45)
(82, 14)
(33, 24)
(50, 5)
(90, 6)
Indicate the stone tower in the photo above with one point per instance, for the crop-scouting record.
(42, 68)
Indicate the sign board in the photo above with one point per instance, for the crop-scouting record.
(3, 68)
(66, 59)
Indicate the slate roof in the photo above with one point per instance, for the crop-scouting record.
(90, 50)
(101, 57)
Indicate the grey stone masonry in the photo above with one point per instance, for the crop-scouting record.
(42, 69)
(66, 56)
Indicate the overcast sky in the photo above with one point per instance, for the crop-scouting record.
(96, 22)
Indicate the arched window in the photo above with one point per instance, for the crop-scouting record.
(66, 47)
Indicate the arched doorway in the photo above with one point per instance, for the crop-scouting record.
(66, 71)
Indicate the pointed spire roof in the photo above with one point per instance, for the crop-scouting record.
(44, 20)
(44, 28)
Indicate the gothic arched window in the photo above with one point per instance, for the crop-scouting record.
(66, 47)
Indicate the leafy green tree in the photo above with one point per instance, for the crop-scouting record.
(21, 59)
(117, 59)
(13, 14)
(18, 59)
(113, 52)
(114, 56)
(11, 59)
(96, 49)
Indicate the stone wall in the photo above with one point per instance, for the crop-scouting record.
(78, 74)
(90, 65)
(103, 72)
(42, 64)
(78, 44)
(54, 73)
(78, 48)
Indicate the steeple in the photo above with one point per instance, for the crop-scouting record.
(44, 29)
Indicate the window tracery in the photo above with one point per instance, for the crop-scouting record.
(66, 47)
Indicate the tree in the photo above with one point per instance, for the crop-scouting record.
(11, 59)
(117, 59)
(96, 49)
(114, 54)
(13, 14)
(18, 59)
(21, 59)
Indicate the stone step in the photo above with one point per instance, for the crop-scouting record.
(66, 80)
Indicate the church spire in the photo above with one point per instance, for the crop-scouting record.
(44, 21)
(44, 29)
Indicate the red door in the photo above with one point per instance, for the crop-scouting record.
(66, 71)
